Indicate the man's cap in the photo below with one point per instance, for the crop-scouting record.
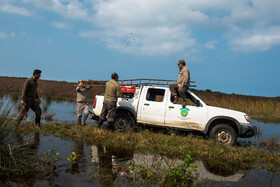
(36, 71)
(181, 61)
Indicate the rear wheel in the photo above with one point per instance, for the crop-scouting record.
(123, 122)
(223, 133)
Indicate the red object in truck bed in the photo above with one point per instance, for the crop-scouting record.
(127, 88)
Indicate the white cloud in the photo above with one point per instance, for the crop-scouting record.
(211, 44)
(15, 10)
(164, 26)
(257, 40)
(4, 35)
(59, 25)
(72, 9)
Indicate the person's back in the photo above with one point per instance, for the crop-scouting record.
(112, 91)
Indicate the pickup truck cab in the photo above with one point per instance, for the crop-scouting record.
(153, 106)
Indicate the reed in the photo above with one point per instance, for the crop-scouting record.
(266, 109)
(16, 159)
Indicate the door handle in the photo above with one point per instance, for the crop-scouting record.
(146, 104)
(171, 107)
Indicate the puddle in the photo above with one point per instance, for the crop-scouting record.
(104, 162)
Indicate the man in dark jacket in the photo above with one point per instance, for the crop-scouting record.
(30, 98)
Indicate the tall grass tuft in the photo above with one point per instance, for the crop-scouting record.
(15, 159)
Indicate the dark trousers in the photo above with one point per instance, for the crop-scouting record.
(175, 90)
(34, 105)
(109, 110)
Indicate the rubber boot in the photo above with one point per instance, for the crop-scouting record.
(84, 120)
(111, 125)
(100, 122)
(79, 120)
(38, 121)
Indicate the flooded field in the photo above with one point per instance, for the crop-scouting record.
(100, 166)
(104, 164)
(65, 112)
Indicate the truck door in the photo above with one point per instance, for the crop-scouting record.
(152, 106)
(191, 117)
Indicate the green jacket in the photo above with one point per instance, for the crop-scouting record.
(29, 90)
(112, 91)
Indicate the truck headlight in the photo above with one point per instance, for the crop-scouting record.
(248, 118)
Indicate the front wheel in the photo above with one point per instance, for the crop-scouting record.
(223, 133)
(123, 122)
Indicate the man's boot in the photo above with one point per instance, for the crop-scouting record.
(79, 120)
(175, 100)
(100, 122)
(111, 125)
(38, 121)
(84, 120)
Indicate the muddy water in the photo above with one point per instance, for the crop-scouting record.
(103, 163)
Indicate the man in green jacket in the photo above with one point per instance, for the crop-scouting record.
(30, 98)
(112, 92)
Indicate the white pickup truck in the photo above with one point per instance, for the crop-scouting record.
(153, 106)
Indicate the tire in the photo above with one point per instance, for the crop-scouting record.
(123, 122)
(223, 133)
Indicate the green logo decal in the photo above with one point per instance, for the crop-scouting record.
(184, 111)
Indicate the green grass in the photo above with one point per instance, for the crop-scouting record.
(16, 157)
(265, 109)
(173, 146)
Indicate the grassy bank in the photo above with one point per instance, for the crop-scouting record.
(266, 109)
(17, 158)
(174, 146)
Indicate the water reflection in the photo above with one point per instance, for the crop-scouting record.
(79, 163)
(112, 167)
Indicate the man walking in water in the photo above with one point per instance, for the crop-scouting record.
(30, 98)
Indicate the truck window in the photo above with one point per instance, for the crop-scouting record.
(155, 94)
(191, 101)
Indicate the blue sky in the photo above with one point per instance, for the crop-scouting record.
(230, 46)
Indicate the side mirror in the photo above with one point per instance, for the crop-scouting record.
(197, 103)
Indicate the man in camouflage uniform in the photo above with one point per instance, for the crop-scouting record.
(30, 99)
(112, 93)
(182, 84)
(82, 93)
